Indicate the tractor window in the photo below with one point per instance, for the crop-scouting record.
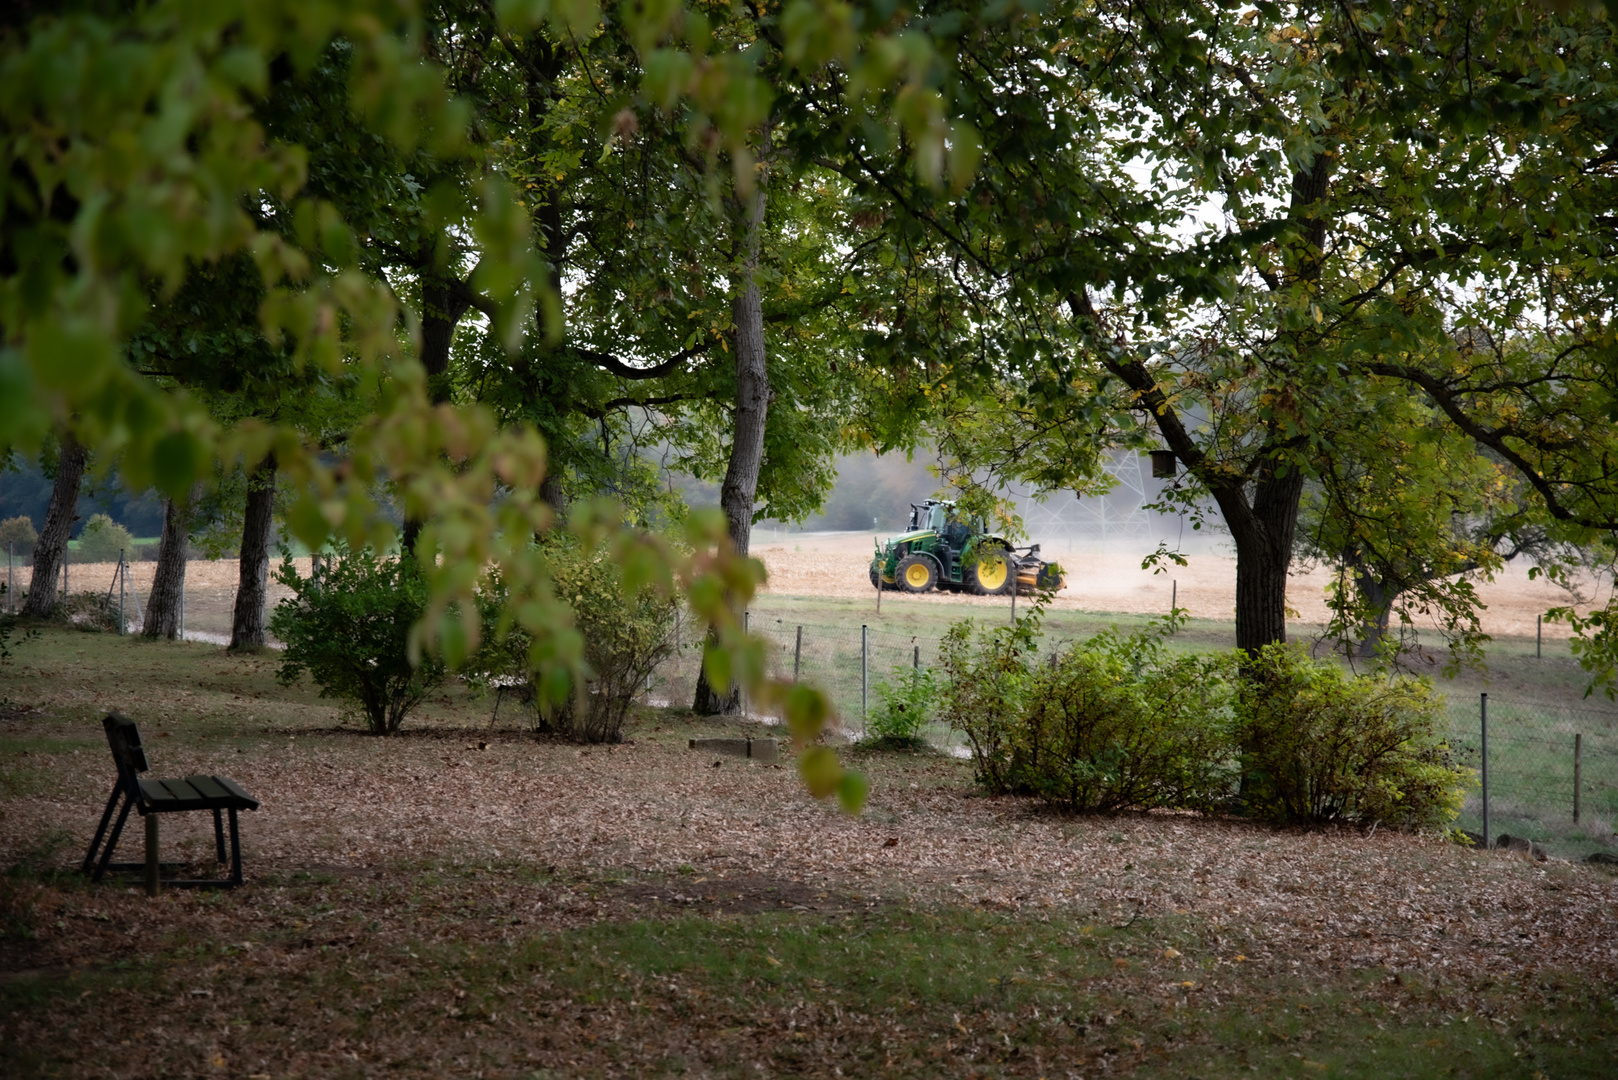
(937, 522)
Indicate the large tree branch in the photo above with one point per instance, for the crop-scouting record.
(610, 363)
(1495, 439)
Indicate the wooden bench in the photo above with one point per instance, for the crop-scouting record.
(154, 797)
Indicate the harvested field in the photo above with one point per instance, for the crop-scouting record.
(210, 591)
(464, 902)
(837, 564)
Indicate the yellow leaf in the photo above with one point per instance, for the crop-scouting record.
(773, 961)
(1170, 953)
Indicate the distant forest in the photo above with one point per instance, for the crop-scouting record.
(872, 492)
(25, 491)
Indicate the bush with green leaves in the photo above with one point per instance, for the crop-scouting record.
(1115, 722)
(17, 535)
(905, 701)
(987, 680)
(622, 639)
(1321, 745)
(102, 539)
(348, 628)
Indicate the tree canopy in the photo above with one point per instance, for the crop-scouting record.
(494, 249)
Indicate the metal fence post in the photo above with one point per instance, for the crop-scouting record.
(184, 566)
(1483, 717)
(797, 655)
(1539, 636)
(865, 638)
(1578, 747)
(120, 590)
(1174, 596)
(11, 577)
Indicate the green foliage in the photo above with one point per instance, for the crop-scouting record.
(1320, 745)
(1114, 722)
(625, 632)
(1119, 722)
(905, 701)
(985, 692)
(18, 530)
(348, 627)
(102, 539)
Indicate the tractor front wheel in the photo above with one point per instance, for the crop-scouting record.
(876, 576)
(990, 574)
(916, 574)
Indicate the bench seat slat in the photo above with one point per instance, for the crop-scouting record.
(244, 801)
(195, 793)
(211, 789)
(168, 796)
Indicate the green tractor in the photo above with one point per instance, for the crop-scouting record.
(942, 549)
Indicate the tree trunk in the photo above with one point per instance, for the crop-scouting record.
(253, 580)
(1263, 537)
(51, 548)
(168, 581)
(441, 312)
(740, 489)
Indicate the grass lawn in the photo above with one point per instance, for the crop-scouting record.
(465, 902)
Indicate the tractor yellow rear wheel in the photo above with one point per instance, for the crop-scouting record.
(990, 573)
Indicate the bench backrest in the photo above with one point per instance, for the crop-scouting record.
(124, 739)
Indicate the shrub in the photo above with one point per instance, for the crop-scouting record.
(905, 701)
(18, 530)
(1320, 745)
(624, 639)
(349, 628)
(985, 689)
(1120, 722)
(102, 539)
(1113, 723)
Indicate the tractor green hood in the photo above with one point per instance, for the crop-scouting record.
(919, 534)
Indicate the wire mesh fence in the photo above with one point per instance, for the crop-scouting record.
(1552, 773)
(1552, 769)
(101, 592)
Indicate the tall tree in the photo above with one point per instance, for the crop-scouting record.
(1221, 225)
(165, 602)
(50, 550)
(253, 566)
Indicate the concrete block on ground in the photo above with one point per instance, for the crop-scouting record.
(730, 747)
(757, 749)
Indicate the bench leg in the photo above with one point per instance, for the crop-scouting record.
(235, 850)
(101, 829)
(151, 854)
(218, 836)
(112, 840)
